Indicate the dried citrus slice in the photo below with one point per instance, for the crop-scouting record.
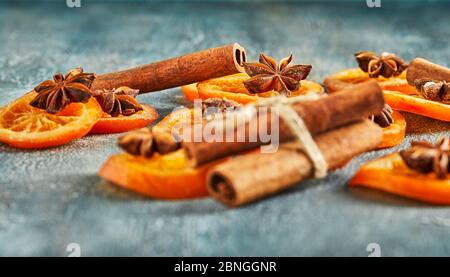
(24, 126)
(395, 133)
(390, 174)
(162, 176)
(417, 105)
(108, 124)
(166, 176)
(348, 77)
(232, 87)
(190, 92)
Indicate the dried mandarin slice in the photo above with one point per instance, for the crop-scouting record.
(232, 87)
(24, 126)
(348, 77)
(108, 124)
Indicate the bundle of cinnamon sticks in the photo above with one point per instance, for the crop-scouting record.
(340, 129)
(338, 124)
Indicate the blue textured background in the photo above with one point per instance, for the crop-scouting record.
(51, 198)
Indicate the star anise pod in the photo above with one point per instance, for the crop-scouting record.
(386, 65)
(267, 75)
(54, 95)
(145, 142)
(433, 90)
(120, 101)
(384, 118)
(138, 142)
(213, 106)
(425, 157)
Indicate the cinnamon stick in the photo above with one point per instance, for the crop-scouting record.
(423, 69)
(184, 70)
(340, 108)
(253, 176)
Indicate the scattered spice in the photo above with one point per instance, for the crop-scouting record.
(145, 142)
(266, 75)
(165, 140)
(425, 157)
(386, 65)
(433, 90)
(120, 101)
(212, 106)
(384, 119)
(138, 142)
(54, 95)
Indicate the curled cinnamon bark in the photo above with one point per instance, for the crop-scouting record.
(420, 68)
(179, 71)
(254, 176)
(344, 107)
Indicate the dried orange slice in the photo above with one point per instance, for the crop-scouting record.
(108, 124)
(190, 92)
(395, 133)
(397, 93)
(166, 176)
(417, 105)
(162, 176)
(24, 126)
(348, 77)
(232, 87)
(390, 174)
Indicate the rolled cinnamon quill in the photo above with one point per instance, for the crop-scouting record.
(253, 176)
(184, 70)
(423, 69)
(340, 108)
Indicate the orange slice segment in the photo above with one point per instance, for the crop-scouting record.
(232, 87)
(395, 133)
(108, 124)
(417, 105)
(390, 174)
(166, 176)
(348, 77)
(24, 126)
(162, 176)
(190, 92)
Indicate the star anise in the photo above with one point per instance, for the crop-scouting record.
(425, 157)
(120, 101)
(145, 142)
(266, 75)
(138, 142)
(433, 90)
(384, 118)
(386, 65)
(212, 106)
(54, 95)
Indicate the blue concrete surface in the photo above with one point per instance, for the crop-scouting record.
(51, 198)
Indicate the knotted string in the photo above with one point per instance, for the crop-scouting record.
(295, 123)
